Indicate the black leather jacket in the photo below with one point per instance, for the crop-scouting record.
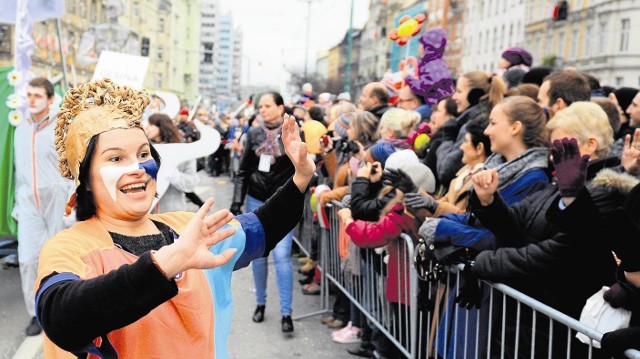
(260, 185)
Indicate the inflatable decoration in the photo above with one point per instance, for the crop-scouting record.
(313, 130)
(410, 65)
(434, 81)
(408, 27)
(320, 210)
(419, 140)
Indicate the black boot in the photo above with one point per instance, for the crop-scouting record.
(287, 324)
(258, 315)
(33, 328)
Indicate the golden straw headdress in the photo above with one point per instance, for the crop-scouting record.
(88, 110)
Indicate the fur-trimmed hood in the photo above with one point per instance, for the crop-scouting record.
(611, 179)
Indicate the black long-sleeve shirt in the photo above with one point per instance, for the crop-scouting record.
(74, 312)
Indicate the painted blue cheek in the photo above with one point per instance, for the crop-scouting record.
(151, 167)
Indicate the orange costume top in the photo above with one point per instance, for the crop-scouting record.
(87, 250)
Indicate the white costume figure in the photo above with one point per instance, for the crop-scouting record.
(183, 179)
(41, 192)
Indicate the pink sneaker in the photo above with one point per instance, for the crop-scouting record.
(347, 335)
(341, 331)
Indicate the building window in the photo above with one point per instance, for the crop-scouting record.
(93, 13)
(160, 24)
(619, 81)
(549, 49)
(624, 39)
(159, 53)
(495, 39)
(158, 81)
(479, 43)
(136, 9)
(574, 44)
(601, 37)
(510, 35)
(587, 45)
(561, 44)
(83, 9)
(71, 6)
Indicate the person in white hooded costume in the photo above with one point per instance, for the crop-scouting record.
(41, 193)
(184, 178)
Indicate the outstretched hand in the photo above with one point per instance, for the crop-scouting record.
(571, 168)
(191, 250)
(630, 158)
(297, 152)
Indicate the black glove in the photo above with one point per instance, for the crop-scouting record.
(418, 200)
(236, 208)
(470, 294)
(623, 295)
(616, 342)
(400, 180)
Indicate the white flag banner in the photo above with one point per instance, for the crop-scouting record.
(122, 69)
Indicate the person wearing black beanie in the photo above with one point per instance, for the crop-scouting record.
(536, 75)
(623, 97)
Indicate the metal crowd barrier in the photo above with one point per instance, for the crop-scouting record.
(509, 324)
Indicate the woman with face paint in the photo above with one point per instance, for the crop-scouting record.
(125, 283)
(184, 178)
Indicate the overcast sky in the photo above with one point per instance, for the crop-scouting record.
(274, 33)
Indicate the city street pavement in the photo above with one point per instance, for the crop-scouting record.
(247, 339)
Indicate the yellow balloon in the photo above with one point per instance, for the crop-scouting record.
(407, 28)
(313, 130)
(313, 202)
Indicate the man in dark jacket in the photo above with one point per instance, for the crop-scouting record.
(374, 99)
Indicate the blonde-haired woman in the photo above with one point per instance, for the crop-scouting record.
(395, 125)
(476, 92)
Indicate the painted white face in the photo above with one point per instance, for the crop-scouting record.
(112, 174)
(37, 100)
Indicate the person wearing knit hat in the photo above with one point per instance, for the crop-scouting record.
(381, 151)
(536, 75)
(344, 96)
(513, 77)
(623, 96)
(408, 161)
(102, 146)
(515, 56)
(342, 124)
